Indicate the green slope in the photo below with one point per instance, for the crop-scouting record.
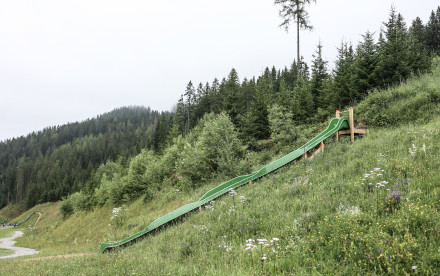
(334, 126)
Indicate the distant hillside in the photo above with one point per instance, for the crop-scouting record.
(49, 164)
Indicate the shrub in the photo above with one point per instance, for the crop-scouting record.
(192, 165)
(79, 201)
(66, 208)
(219, 144)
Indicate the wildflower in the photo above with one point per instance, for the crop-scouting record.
(261, 241)
(412, 150)
(232, 192)
(250, 246)
(414, 267)
(210, 205)
(381, 184)
(242, 199)
(264, 257)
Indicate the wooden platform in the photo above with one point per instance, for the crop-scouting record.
(352, 131)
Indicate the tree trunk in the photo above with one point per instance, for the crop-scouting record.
(298, 61)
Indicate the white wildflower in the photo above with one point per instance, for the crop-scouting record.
(242, 199)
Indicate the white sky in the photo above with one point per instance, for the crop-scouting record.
(68, 60)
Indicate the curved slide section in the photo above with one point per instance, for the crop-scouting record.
(334, 126)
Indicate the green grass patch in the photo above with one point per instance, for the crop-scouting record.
(5, 252)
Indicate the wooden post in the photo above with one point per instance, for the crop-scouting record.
(351, 123)
(322, 146)
(338, 116)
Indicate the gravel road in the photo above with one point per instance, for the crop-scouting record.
(8, 243)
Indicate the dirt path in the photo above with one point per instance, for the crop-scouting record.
(38, 219)
(8, 243)
(61, 256)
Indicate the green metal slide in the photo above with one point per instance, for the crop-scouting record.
(334, 126)
(27, 218)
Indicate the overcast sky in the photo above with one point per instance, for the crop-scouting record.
(68, 60)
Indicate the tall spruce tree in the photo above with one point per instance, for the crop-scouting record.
(180, 117)
(417, 30)
(319, 75)
(231, 96)
(432, 34)
(302, 105)
(295, 10)
(215, 96)
(343, 87)
(365, 64)
(258, 121)
(189, 106)
(393, 65)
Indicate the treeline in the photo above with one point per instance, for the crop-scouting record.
(315, 92)
(57, 161)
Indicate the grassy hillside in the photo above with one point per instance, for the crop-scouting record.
(369, 207)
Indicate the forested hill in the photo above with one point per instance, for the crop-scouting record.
(52, 163)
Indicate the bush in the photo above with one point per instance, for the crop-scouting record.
(192, 166)
(79, 201)
(219, 144)
(66, 208)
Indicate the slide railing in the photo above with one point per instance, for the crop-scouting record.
(334, 126)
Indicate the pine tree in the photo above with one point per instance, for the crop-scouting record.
(319, 75)
(189, 107)
(291, 75)
(432, 33)
(248, 92)
(302, 105)
(417, 30)
(285, 96)
(295, 10)
(180, 115)
(214, 96)
(393, 61)
(364, 65)
(231, 96)
(258, 121)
